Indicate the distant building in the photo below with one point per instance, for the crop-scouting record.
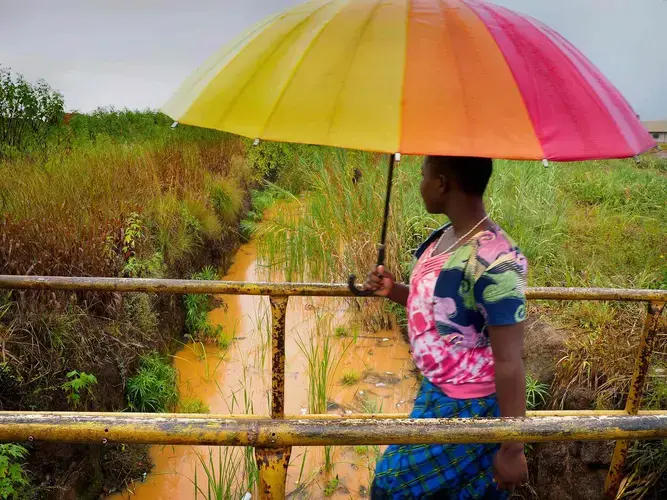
(657, 129)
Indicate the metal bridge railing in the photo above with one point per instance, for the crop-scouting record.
(273, 437)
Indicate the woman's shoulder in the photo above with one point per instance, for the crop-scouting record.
(496, 245)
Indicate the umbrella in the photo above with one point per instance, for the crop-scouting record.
(440, 77)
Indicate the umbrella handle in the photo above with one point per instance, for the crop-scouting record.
(358, 292)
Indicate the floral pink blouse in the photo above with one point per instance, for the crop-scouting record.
(450, 350)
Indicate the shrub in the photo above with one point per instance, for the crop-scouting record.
(154, 387)
(27, 111)
(78, 383)
(13, 478)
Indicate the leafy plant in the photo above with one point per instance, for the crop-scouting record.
(154, 387)
(78, 383)
(13, 478)
(537, 393)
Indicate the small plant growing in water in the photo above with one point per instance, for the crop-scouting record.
(153, 388)
(331, 486)
(193, 405)
(340, 331)
(537, 393)
(78, 383)
(13, 478)
(350, 377)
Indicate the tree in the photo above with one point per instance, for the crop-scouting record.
(27, 111)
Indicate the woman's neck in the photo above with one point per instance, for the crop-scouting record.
(466, 216)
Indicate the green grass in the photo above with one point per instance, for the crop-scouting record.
(322, 360)
(361, 450)
(350, 377)
(193, 405)
(221, 470)
(340, 331)
(581, 224)
(331, 486)
(197, 307)
(154, 388)
(537, 393)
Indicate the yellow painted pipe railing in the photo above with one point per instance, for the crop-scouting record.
(223, 430)
(273, 437)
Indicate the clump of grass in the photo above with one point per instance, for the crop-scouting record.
(322, 363)
(154, 388)
(331, 486)
(350, 377)
(340, 331)
(197, 307)
(221, 471)
(537, 393)
(647, 470)
(370, 404)
(193, 405)
(361, 450)
(227, 200)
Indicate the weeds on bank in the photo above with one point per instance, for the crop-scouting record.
(78, 384)
(197, 307)
(537, 393)
(154, 388)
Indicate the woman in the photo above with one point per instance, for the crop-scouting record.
(466, 308)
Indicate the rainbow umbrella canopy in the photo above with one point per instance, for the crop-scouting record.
(442, 77)
(448, 77)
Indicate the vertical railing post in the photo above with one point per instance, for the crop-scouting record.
(633, 403)
(273, 462)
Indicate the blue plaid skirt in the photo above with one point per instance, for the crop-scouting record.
(441, 471)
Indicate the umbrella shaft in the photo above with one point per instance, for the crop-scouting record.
(387, 200)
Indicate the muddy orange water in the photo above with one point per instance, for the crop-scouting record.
(237, 380)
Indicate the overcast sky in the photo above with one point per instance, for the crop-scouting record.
(134, 53)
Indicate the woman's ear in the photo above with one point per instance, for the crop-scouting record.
(443, 185)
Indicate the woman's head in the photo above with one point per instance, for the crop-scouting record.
(448, 180)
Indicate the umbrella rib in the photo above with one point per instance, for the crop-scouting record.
(340, 91)
(298, 64)
(223, 116)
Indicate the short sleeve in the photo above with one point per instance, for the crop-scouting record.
(500, 292)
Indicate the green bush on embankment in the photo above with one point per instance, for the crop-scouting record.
(110, 193)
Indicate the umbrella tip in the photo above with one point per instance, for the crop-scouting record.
(545, 162)
(255, 142)
(397, 156)
(174, 125)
